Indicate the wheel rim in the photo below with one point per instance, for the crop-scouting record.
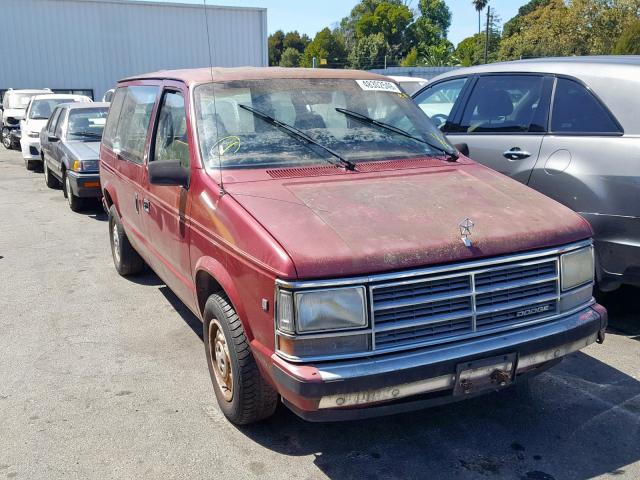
(220, 360)
(6, 141)
(116, 242)
(67, 184)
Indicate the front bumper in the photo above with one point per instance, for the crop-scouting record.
(30, 148)
(413, 380)
(85, 185)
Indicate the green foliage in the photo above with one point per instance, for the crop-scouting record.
(438, 55)
(411, 60)
(388, 20)
(368, 52)
(278, 42)
(296, 41)
(629, 41)
(326, 45)
(470, 51)
(290, 58)
(275, 44)
(559, 28)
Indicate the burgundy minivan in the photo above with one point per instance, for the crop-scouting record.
(343, 256)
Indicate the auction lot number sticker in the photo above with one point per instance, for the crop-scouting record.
(378, 86)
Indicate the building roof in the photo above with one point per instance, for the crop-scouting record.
(216, 74)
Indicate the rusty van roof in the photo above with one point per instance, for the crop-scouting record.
(205, 75)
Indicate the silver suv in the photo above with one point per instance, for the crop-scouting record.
(14, 105)
(567, 127)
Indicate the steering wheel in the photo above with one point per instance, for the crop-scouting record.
(440, 119)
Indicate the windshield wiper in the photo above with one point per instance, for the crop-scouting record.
(298, 134)
(86, 134)
(451, 155)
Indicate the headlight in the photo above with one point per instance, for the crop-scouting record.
(33, 134)
(313, 323)
(577, 268)
(84, 165)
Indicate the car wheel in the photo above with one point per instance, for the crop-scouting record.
(126, 260)
(49, 179)
(6, 138)
(243, 395)
(31, 165)
(75, 203)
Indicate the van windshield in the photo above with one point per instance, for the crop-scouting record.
(19, 100)
(234, 136)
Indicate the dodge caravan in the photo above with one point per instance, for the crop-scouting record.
(342, 255)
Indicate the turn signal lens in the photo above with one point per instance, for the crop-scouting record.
(76, 166)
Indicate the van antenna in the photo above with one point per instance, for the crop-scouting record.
(215, 111)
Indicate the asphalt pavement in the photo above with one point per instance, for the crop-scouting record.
(104, 377)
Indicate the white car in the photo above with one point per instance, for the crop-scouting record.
(14, 104)
(410, 84)
(38, 112)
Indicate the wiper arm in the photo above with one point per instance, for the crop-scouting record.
(299, 134)
(86, 134)
(451, 155)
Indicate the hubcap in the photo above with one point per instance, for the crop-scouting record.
(220, 360)
(116, 242)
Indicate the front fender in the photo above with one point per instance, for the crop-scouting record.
(219, 273)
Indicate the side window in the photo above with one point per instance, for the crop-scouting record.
(171, 142)
(60, 121)
(131, 134)
(52, 121)
(438, 101)
(113, 117)
(506, 103)
(577, 110)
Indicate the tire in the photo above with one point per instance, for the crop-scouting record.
(243, 395)
(49, 179)
(31, 165)
(6, 138)
(75, 203)
(126, 260)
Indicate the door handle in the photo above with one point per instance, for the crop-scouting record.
(146, 205)
(137, 204)
(516, 154)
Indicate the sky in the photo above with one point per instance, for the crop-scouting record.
(311, 16)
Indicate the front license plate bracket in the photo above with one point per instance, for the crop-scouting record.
(491, 373)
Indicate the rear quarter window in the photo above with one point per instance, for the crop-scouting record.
(577, 110)
(133, 124)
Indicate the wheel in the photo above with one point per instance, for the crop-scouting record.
(49, 179)
(243, 395)
(31, 165)
(126, 260)
(75, 203)
(6, 138)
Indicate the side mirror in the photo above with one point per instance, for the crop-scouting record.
(171, 173)
(53, 138)
(463, 148)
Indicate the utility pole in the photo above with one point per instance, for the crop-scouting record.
(486, 41)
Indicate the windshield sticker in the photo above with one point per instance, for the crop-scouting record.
(378, 86)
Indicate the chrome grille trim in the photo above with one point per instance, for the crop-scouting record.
(520, 286)
(470, 269)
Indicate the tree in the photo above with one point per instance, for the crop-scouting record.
(411, 60)
(290, 58)
(296, 41)
(275, 44)
(470, 51)
(479, 6)
(326, 45)
(430, 31)
(439, 55)
(368, 52)
(629, 42)
(391, 22)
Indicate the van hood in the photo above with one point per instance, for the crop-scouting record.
(355, 224)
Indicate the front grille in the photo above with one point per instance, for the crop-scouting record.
(434, 309)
